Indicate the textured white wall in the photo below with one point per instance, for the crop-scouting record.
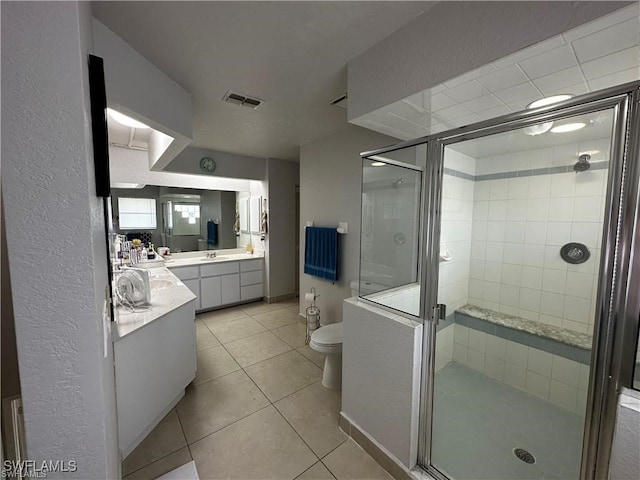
(453, 38)
(382, 357)
(282, 179)
(56, 238)
(330, 185)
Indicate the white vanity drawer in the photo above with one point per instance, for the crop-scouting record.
(251, 278)
(218, 269)
(251, 265)
(250, 292)
(185, 273)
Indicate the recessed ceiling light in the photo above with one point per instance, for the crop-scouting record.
(568, 127)
(378, 164)
(125, 120)
(538, 129)
(589, 152)
(543, 102)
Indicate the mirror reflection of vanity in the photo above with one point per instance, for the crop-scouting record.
(184, 219)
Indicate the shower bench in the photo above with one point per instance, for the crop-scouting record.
(555, 340)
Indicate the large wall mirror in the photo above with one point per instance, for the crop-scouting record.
(183, 219)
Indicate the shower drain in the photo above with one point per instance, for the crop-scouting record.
(523, 455)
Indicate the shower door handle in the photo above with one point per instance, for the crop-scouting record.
(439, 312)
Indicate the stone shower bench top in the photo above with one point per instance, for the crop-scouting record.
(575, 339)
(558, 341)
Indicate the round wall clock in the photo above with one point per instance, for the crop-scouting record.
(207, 165)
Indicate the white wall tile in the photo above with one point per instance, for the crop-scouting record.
(538, 209)
(539, 361)
(563, 395)
(496, 347)
(530, 299)
(480, 210)
(534, 256)
(509, 295)
(493, 271)
(583, 382)
(535, 233)
(477, 340)
(566, 371)
(580, 285)
(558, 233)
(532, 277)
(460, 354)
(548, 62)
(513, 253)
(528, 314)
(499, 189)
(514, 232)
(517, 354)
(511, 274)
(576, 309)
(518, 188)
(475, 360)
(560, 209)
(494, 251)
(589, 233)
(562, 185)
(496, 231)
(497, 210)
(575, 326)
(491, 293)
(587, 209)
(481, 190)
(554, 281)
(494, 368)
(552, 258)
(552, 304)
(539, 186)
(538, 385)
(515, 376)
(589, 183)
(516, 210)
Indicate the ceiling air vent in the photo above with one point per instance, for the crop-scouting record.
(341, 101)
(239, 99)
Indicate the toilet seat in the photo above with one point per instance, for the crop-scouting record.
(327, 339)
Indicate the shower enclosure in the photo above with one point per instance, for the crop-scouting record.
(515, 248)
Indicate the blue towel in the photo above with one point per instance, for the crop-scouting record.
(321, 252)
(212, 233)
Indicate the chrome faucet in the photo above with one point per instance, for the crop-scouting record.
(210, 254)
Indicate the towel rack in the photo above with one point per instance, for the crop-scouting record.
(342, 228)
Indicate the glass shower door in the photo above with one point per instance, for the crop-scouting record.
(522, 222)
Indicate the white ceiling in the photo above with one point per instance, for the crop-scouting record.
(600, 54)
(292, 55)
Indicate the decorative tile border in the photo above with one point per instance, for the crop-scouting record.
(522, 173)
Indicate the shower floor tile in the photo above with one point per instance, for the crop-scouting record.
(478, 422)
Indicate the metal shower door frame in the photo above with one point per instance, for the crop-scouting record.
(618, 308)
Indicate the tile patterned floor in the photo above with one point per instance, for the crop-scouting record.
(256, 409)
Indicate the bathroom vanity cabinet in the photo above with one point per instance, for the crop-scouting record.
(220, 283)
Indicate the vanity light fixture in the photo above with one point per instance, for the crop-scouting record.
(568, 127)
(123, 119)
(543, 102)
(378, 164)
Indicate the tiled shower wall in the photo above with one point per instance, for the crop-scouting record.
(519, 226)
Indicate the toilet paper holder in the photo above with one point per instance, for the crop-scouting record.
(312, 315)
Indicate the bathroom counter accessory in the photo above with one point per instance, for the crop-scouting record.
(167, 294)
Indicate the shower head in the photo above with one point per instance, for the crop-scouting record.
(583, 163)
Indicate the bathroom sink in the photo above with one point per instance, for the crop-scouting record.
(160, 284)
(212, 259)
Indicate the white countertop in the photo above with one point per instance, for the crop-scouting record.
(200, 259)
(167, 294)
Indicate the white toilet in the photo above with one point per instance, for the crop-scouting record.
(328, 341)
